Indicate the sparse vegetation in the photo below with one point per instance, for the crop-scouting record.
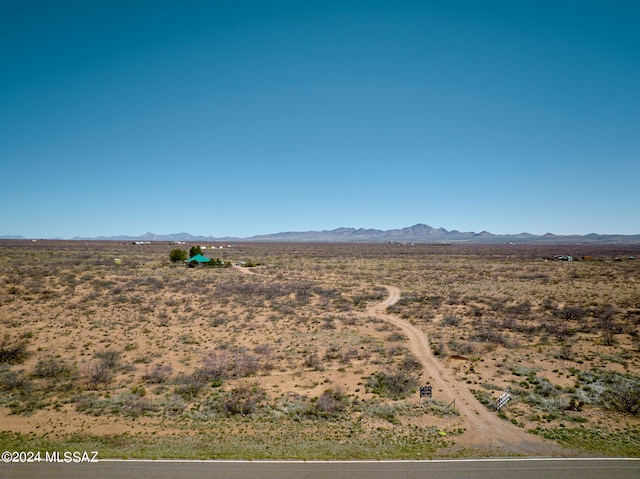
(288, 362)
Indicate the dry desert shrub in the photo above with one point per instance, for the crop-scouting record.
(159, 374)
(571, 313)
(98, 373)
(622, 394)
(330, 403)
(313, 361)
(110, 358)
(51, 368)
(394, 385)
(13, 350)
(451, 320)
(189, 386)
(14, 381)
(243, 399)
(220, 365)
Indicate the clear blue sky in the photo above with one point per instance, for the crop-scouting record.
(240, 118)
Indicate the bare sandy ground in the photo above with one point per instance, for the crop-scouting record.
(72, 306)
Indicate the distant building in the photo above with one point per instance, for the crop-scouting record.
(196, 260)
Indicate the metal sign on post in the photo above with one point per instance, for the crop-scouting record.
(426, 391)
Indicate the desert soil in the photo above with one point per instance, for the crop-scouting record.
(470, 321)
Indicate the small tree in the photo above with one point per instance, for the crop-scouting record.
(622, 394)
(96, 373)
(178, 255)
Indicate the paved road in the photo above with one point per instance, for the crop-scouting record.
(437, 469)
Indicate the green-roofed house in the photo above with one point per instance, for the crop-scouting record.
(197, 259)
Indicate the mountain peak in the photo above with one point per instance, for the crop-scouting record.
(418, 233)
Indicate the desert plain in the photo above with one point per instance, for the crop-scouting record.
(319, 351)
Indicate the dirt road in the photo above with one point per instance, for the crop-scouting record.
(484, 429)
(243, 269)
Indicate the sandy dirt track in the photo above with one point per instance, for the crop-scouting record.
(484, 429)
(243, 269)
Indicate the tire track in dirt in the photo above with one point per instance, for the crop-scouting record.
(485, 431)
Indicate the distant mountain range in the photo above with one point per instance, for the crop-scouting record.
(419, 233)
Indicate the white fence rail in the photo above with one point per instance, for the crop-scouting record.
(502, 400)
